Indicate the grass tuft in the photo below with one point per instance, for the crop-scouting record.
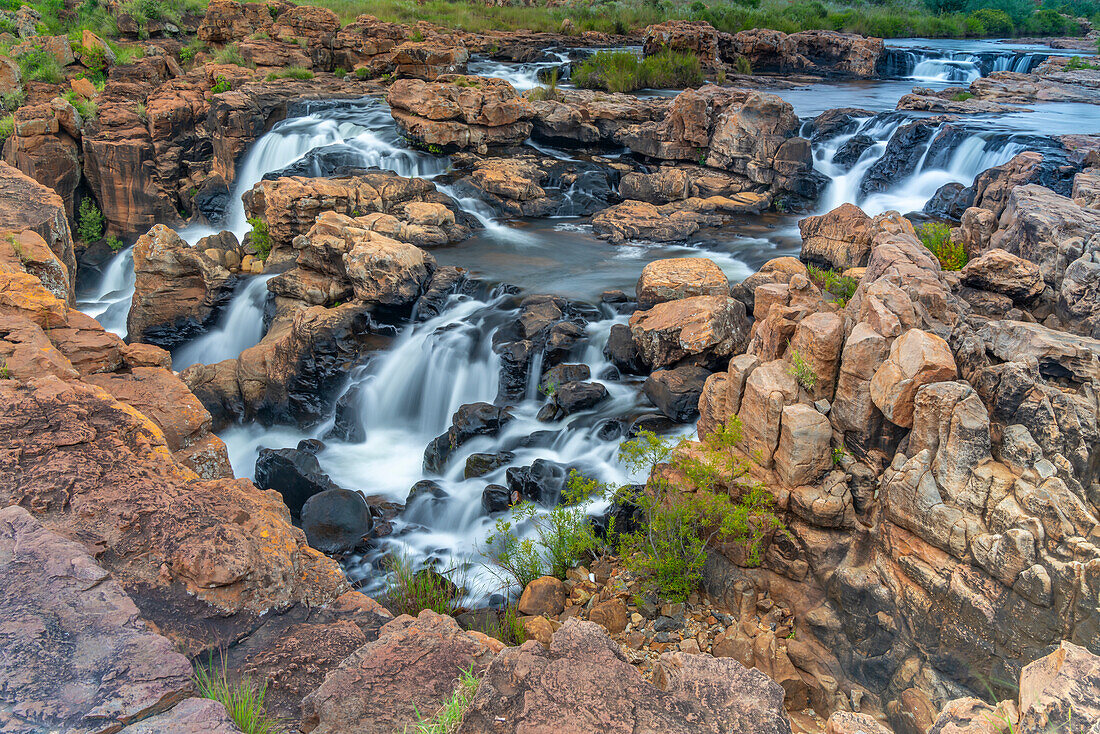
(411, 590)
(290, 72)
(447, 719)
(243, 700)
(623, 71)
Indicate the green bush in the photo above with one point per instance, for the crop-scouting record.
(961, 97)
(90, 221)
(37, 65)
(623, 71)
(190, 51)
(114, 243)
(410, 590)
(260, 237)
(243, 700)
(994, 22)
(714, 499)
(936, 237)
(1078, 62)
(7, 126)
(221, 84)
(13, 101)
(363, 72)
(86, 108)
(291, 72)
(1047, 22)
(559, 538)
(841, 287)
(229, 54)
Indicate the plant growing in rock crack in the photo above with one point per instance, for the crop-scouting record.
(260, 237)
(90, 221)
(505, 627)
(936, 236)
(802, 371)
(221, 84)
(696, 495)
(114, 243)
(449, 715)
(5, 373)
(244, 700)
(549, 390)
(410, 590)
(839, 452)
(528, 543)
(841, 287)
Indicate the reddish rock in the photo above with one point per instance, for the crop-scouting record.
(672, 279)
(611, 615)
(27, 205)
(700, 325)
(543, 596)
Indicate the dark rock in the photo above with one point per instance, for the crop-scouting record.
(348, 424)
(311, 446)
(563, 373)
(621, 351)
(903, 152)
(425, 488)
(77, 656)
(852, 150)
(623, 516)
(336, 520)
(478, 465)
(495, 498)
(654, 422)
(576, 396)
(610, 430)
(445, 282)
(473, 419)
(676, 392)
(293, 473)
(667, 624)
(212, 198)
(950, 201)
(542, 481)
(839, 121)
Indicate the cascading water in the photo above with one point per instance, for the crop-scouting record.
(522, 76)
(946, 66)
(109, 301)
(241, 326)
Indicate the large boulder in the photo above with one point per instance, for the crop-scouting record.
(582, 683)
(336, 520)
(1002, 272)
(178, 291)
(473, 419)
(917, 358)
(456, 112)
(807, 52)
(676, 392)
(714, 327)
(804, 451)
(837, 240)
(28, 205)
(672, 279)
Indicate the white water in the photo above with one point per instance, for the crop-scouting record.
(241, 326)
(520, 76)
(109, 301)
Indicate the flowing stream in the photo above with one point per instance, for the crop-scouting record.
(399, 399)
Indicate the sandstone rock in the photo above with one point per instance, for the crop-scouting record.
(971, 716)
(1001, 272)
(1079, 293)
(819, 339)
(768, 390)
(429, 59)
(1086, 189)
(917, 358)
(1061, 689)
(27, 251)
(637, 220)
(669, 280)
(700, 325)
(582, 683)
(78, 656)
(191, 716)
(1057, 352)
(611, 615)
(40, 210)
(460, 112)
(585, 116)
(696, 37)
(806, 52)
(838, 240)
(412, 667)
(804, 452)
(543, 596)
(539, 629)
(676, 392)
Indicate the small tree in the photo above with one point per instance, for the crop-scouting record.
(89, 221)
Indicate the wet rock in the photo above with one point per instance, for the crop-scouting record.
(621, 351)
(336, 520)
(712, 327)
(849, 154)
(903, 152)
(673, 279)
(347, 423)
(410, 668)
(495, 498)
(294, 473)
(78, 656)
(473, 419)
(542, 481)
(1002, 272)
(560, 374)
(676, 392)
(178, 291)
(457, 112)
(654, 422)
(582, 683)
(837, 121)
(543, 596)
(478, 465)
(425, 488)
(573, 397)
(950, 201)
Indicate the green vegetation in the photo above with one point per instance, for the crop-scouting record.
(141, 112)
(15, 100)
(802, 371)
(243, 700)
(291, 72)
(623, 71)
(1078, 62)
(713, 498)
(89, 221)
(961, 97)
(937, 238)
(558, 539)
(191, 50)
(86, 108)
(7, 126)
(114, 243)
(449, 716)
(260, 237)
(37, 65)
(229, 54)
(362, 72)
(506, 627)
(839, 452)
(410, 591)
(221, 84)
(841, 287)
(5, 373)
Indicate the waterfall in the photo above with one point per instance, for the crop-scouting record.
(240, 326)
(521, 76)
(109, 301)
(945, 66)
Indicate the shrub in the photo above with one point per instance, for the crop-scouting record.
(1077, 62)
(961, 97)
(841, 287)
(15, 100)
(717, 500)
(1047, 22)
(548, 91)
(506, 627)
(936, 237)
(86, 108)
(363, 72)
(623, 71)
(802, 371)
(40, 66)
(339, 72)
(291, 72)
(114, 243)
(141, 112)
(89, 221)
(221, 84)
(994, 22)
(560, 538)
(672, 70)
(7, 126)
(191, 50)
(449, 715)
(260, 237)
(410, 590)
(229, 54)
(5, 372)
(243, 700)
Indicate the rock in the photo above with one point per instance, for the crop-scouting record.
(769, 388)
(1002, 272)
(582, 683)
(178, 291)
(846, 722)
(1058, 354)
(336, 520)
(950, 201)
(976, 230)
(807, 52)
(917, 358)
(849, 154)
(412, 667)
(1060, 689)
(676, 392)
(539, 629)
(113, 669)
(573, 397)
(495, 498)
(673, 279)
(838, 240)
(993, 186)
(1079, 294)
(457, 112)
(543, 481)
(711, 326)
(588, 117)
(804, 452)
(637, 220)
(478, 465)
(190, 716)
(39, 210)
(543, 596)
(621, 351)
(474, 419)
(904, 151)
(695, 37)
(611, 615)
(429, 59)
(294, 473)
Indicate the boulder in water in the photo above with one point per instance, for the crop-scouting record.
(853, 149)
(336, 520)
(542, 481)
(294, 473)
(478, 465)
(473, 419)
(950, 201)
(495, 498)
(676, 392)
